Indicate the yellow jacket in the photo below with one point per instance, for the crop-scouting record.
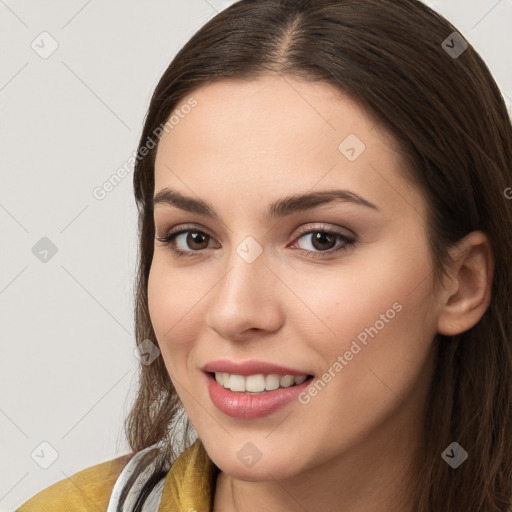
(188, 486)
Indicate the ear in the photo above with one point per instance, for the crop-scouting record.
(468, 294)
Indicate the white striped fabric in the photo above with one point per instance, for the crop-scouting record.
(152, 502)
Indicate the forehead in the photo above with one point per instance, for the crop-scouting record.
(274, 113)
(274, 133)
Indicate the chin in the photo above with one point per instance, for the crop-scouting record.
(262, 471)
(243, 461)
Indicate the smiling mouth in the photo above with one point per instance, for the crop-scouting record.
(257, 384)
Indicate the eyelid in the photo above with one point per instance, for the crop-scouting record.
(302, 230)
(349, 241)
(183, 227)
(325, 227)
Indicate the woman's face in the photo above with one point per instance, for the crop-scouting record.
(268, 278)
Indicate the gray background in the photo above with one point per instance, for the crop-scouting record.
(69, 121)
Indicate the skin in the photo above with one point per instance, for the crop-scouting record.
(243, 146)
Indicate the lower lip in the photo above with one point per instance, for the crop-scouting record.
(243, 405)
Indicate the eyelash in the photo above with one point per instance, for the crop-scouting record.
(168, 238)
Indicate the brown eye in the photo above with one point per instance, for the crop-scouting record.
(195, 240)
(186, 242)
(323, 241)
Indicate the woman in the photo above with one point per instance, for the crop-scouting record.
(324, 276)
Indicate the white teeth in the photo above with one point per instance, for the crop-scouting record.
(236, 383)
(300, 380)
(271, 382)
(286, 381)
(257, 383)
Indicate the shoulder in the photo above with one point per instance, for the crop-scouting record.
(89, 489)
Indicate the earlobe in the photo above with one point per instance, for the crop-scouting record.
(468, 295)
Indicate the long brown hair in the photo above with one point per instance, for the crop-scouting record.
(451, 126)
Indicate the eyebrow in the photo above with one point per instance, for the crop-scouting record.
(278, 209)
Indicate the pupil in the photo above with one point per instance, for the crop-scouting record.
(193, 238)
(319, 238)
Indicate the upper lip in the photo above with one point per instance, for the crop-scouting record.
(251, 367)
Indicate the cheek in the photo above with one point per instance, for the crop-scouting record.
(170, 295)
(375, 351)
(382, 332)
(158, 299)
(166, 306)
(374, 310)
(175, 307)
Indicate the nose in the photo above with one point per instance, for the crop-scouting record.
(247, 298)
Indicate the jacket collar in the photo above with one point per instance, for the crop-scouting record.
(190, 483)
